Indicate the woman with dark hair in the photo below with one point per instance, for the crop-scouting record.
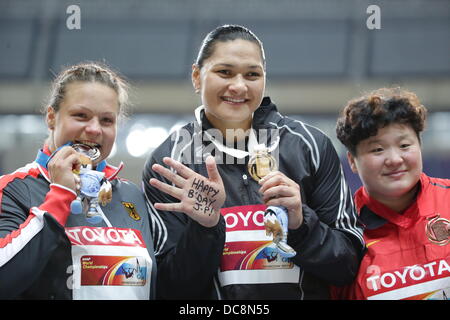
(405, 212)
(212, 247)
(103, 250)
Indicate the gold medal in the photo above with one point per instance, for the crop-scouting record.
(261, 163)
(438, 230)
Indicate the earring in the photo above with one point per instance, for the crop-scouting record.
(197, 90)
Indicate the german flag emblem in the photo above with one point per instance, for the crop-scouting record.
(131, 209)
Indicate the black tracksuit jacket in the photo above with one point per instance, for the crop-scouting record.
(229, 261)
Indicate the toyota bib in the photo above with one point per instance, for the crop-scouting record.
(109, 263)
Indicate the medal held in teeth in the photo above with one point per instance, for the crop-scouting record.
(92, 153)
(261, 163)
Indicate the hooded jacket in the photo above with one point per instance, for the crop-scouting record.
(235, 259)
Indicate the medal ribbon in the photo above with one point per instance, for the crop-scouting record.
(252, 144)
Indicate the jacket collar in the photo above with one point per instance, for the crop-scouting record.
(431, 195)
(267, 112)
(261, 118)
(374, 214)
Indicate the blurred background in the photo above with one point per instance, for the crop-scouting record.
(320, 54)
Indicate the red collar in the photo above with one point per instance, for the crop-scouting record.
(404, 220)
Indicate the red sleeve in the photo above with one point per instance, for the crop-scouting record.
(57, 203)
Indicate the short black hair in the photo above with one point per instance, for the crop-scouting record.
(362, 117)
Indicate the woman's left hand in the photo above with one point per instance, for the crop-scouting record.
(200, 197)
(278, 190)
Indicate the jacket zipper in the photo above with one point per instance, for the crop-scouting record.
(245, 178)
(246, 194)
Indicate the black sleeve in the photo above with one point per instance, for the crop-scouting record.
(28, 238)
(329, 243)
(188, 254)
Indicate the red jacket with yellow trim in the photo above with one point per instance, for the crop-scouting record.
(35, 250)
(401, 262)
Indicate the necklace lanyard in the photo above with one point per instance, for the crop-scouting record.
(42, 158)
(252, 145)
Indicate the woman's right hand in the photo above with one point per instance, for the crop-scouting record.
(200, 198)
(61, 166)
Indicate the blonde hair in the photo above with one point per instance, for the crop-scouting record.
(89, 72)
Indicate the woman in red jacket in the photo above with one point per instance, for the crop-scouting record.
(405, 213)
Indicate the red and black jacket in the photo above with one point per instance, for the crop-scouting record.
(403, 260)
(35, 251)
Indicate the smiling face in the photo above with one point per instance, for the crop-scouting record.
(231, 83)
(87, 114)
(389, 165)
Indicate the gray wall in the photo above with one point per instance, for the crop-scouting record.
(319, 55)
